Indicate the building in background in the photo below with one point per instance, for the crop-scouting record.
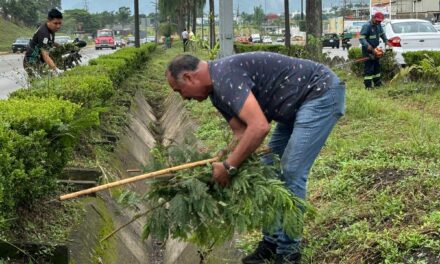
(422, 9)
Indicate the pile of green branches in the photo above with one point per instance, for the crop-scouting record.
(189, 207)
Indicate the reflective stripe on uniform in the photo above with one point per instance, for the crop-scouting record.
(376, 76)
(362, 36)
(372, 36)
(368, 77)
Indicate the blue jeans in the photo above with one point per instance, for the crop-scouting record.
(298, 145)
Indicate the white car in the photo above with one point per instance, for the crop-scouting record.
(411, 35)
(63, 39)
(437, 26)
(256, 38)
(267, 40)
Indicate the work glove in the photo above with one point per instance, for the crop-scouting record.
(57, 72)
(378, 52)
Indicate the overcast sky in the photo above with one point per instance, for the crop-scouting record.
(147, 6)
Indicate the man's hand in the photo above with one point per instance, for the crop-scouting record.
(220, 174)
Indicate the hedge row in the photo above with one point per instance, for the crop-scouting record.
(295, 50)
(388, 64)
(40, 126)
(415, 57)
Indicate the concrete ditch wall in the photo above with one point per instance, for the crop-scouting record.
(132, 151)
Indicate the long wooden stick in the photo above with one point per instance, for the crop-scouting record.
(138, 178)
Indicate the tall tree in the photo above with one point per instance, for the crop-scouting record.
(314, 26)
(106, 18)
(259, 16)
(287, 25)
(83, 20)
(211, 24)
(123, 15)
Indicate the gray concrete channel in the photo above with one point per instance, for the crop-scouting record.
(131, 151)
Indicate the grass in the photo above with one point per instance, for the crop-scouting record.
(375, 184)
(10, 31)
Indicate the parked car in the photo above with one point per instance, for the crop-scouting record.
(411, 35)
(105, 38)
(20, 45)
(63, 40)
(330, 40)
(280, 40)
(242, 40)
(267, 40)
(151, 39)
(256, 38)
(437, 26)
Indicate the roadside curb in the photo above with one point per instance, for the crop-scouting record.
(3, 52)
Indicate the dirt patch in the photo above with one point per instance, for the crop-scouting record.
(387, 176)
(425, 255)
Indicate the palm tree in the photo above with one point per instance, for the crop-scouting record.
(314, 25)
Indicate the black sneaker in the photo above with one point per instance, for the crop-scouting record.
(288, 259)
(265, 253)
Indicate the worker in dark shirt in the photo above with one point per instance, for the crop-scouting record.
(369, 39)
(37, 54)
(250, 90)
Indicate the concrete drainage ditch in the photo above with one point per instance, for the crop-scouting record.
(102, 214)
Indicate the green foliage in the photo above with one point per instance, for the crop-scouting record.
(295, 50)
(166, 29)
(415, 57)
(388, 65)
(10, 32)
(36, 140)
(189, 207)
(86, 90)
(27, 12)
(39, 130)
(357, 67)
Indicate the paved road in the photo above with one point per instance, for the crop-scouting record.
(339, 52)
(13, 77)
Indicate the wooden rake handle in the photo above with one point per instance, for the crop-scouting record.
(138, 178)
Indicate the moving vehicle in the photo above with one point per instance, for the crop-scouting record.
(330, 40)
(346, 40)
(411, 35)
(63, 40)
(105, 38)
(267, 40)
(20, 45)
(120, 42)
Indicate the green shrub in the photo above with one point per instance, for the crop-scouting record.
(388, 64)
(295, 50)
(415, 57)
(117, 69)
(86, 90)
(36, 140)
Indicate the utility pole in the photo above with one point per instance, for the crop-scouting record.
(226, 15)
(302, 9)
(211, 25)
(156, 29)
(86, 5)
(136, 24)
